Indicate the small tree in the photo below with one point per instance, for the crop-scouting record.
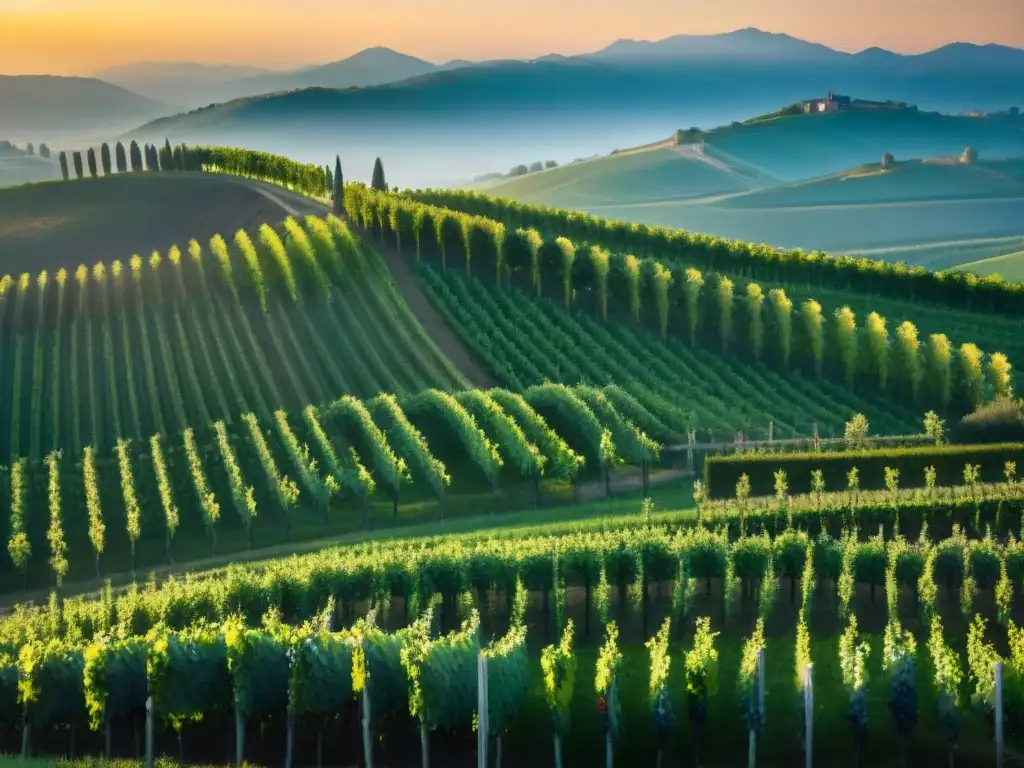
(934, 427)
(969, 156)
(136, 156)
(90, 157)
(76, 158)
(856, 429)
(537, 166)
(120, 160)
(701, 664)
(44, 151)
(339, 187)
(64, 165)
(378, 181)
(548, 164)
(105, 158)
(29, 149)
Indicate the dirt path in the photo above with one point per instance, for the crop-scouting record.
(406, 281)
(443, 335)
(623, 480)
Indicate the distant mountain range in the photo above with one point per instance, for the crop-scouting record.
(42, 107)
(567, 106)
(192, 85)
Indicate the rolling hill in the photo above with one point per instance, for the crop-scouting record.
(184, 83)
(659, 172)
(81, 222)
(907, 181)
(779, 180)
(1010, 266)
(43, 107)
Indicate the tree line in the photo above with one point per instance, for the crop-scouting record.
(961, 290)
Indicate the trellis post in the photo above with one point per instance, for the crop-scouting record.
(483, 726)
(999, 714)
(809, 716)
(367, 744)
(691, 438)
(149, 732)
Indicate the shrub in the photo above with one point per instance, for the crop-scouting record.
(1002, 420)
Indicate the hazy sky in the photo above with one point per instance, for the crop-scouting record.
(83, 36)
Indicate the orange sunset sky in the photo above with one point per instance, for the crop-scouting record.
(85, 36)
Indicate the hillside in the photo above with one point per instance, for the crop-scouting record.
(190, 334)
(561, 109)
(906, 181)
(781, 181)
(797, 147)
(1010, 266)
(82, 222)
(37, 107)
(659, 172)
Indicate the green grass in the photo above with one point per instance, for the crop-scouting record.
(621, 179)
(912, 180)
(1010, 266)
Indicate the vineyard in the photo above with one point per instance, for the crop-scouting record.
(559, 619)
(220, 487)
(129, 349)
(276, 385)
(705, 312)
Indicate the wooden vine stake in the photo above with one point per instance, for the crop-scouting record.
(26, 735)
(752, 735)
(239, 737)
(367, 744)
(289, 737)
(149, 732)
(999, 714)
(483, 726)
(808, 716)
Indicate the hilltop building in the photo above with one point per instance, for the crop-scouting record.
(836, 103)
(831, 103)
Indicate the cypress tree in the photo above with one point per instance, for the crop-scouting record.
(64, 165)
(105, 158)
(167, 160)
(44, 151)
(378, 182)
(76, 158)
(119, 156)
(29, 149)
(136, 156)
(178, 159)
(339, 187)
(90, 157)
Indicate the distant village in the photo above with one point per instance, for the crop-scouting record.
(836, 103)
